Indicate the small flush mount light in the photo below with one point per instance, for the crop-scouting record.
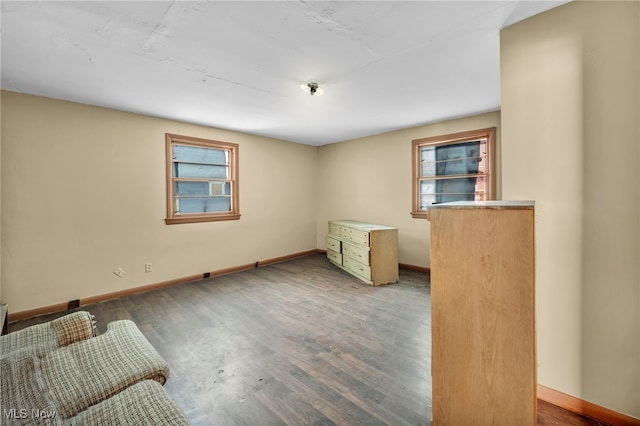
(312, 88)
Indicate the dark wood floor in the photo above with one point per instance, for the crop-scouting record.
(297, 343)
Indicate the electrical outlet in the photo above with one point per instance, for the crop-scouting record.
(119, 272)
(147, 267)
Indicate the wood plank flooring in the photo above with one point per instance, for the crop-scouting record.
(296, 343)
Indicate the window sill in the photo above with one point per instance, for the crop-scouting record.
(201, 218)
(420, 215)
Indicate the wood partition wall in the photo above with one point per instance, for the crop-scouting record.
(483, 314)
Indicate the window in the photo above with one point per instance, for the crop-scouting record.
(456, 167)
(202, 180)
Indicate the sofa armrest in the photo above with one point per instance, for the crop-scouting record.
(74, 327)
(48, 336)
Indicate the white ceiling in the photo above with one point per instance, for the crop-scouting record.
(239, 65)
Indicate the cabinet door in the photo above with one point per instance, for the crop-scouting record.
(483, 325)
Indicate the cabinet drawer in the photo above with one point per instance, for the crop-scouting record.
(357, 267)
(334, 257)
(333, 244)
(357, 253)
(337, 230)
(357, 236)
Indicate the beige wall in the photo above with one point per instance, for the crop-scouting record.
(570, 139)
(369, 179)
(83, 192)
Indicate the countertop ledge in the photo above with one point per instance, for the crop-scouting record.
(497, 204)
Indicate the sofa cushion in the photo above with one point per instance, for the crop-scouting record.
(145, 403)
(25, 401)
(23, 397)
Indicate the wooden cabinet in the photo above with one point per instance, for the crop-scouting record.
(367, 251)
(483, 362)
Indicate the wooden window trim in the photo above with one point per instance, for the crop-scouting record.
(234, 214)
(488, 133)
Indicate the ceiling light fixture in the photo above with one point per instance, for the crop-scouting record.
(312, 88)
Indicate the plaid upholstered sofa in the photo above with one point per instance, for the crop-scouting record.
(61, 373)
